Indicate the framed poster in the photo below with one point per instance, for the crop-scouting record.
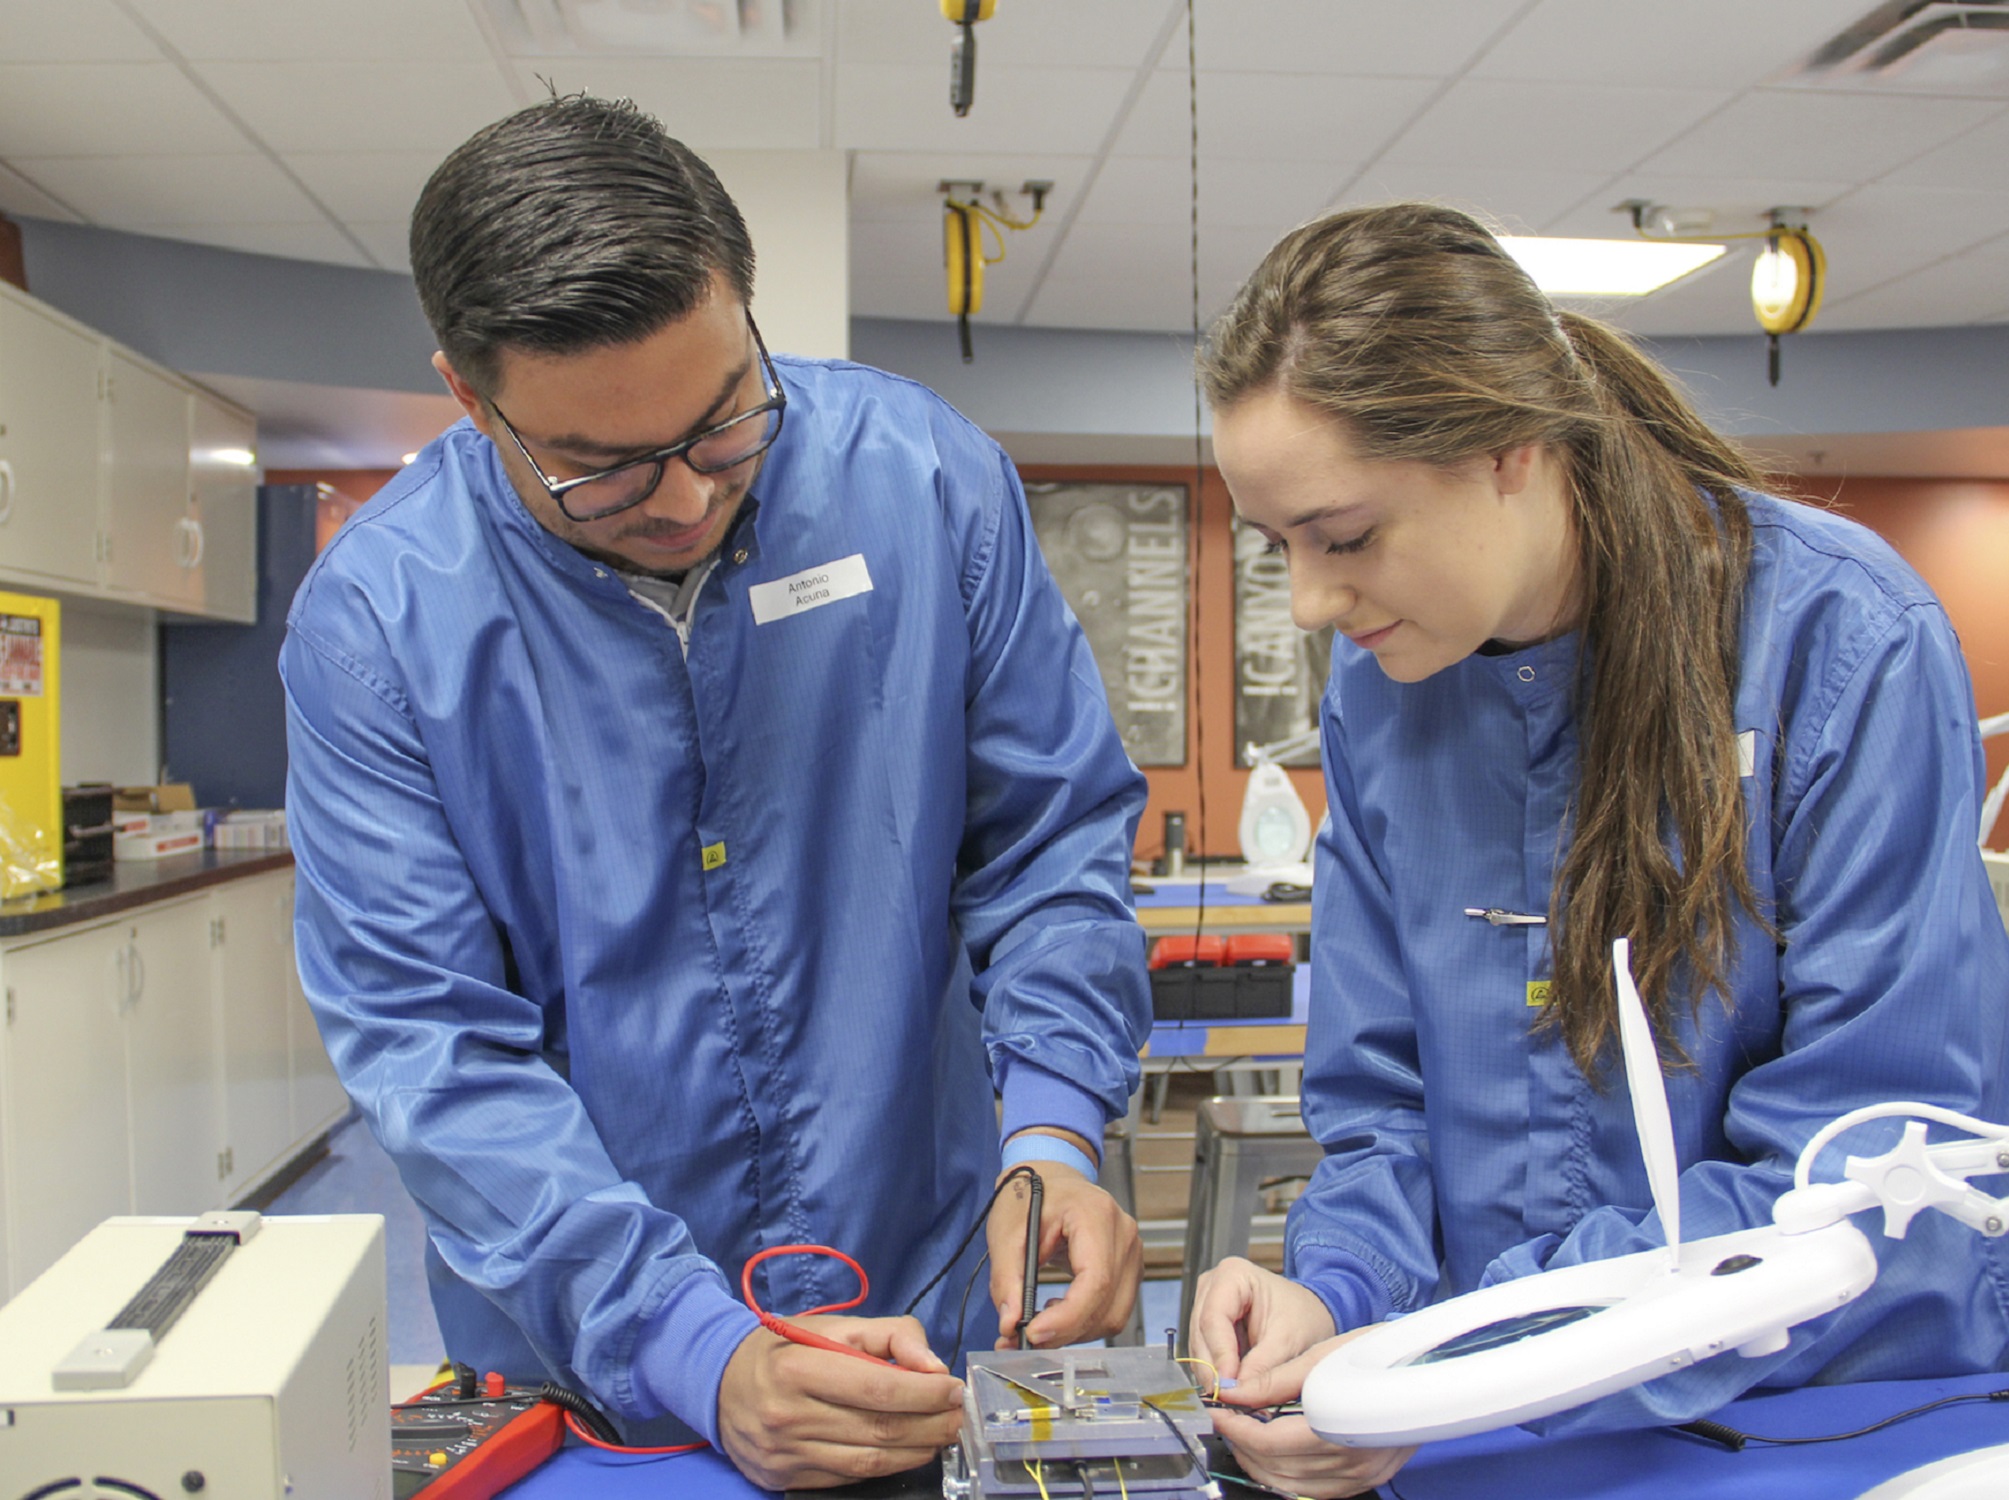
(1119, 554)
(1280, 670)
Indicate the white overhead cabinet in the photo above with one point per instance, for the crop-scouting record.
(48, 447)
(119, 479)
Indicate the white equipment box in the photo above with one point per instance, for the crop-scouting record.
(269, 1380)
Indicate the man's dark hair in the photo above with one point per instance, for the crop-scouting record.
(571, 225)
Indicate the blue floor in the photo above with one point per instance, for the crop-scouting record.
(357, 1177)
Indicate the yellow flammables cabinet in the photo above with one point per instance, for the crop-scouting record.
(31, 794)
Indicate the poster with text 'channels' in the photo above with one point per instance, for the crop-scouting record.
(1118, 552)
(1279, 670)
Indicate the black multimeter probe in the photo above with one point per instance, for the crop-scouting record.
(1029, 1303)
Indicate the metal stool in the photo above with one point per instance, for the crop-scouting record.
(1119, 1180)
(1239, 1144)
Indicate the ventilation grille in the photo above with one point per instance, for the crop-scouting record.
(366, 1381)
(657, 28)
(1945, 46)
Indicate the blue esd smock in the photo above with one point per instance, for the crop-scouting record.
(637, 964)
(1464, 1146)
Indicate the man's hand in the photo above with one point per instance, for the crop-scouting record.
(796, 1418)
(1248, 1321)
(1285, 1453)
(1101, 1251)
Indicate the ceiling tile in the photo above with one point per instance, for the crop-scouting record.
(1361, 38)
(320, 242)
(1278, 117)
(317, 30)
(914, 251)
(355, 106)
(20, 194)
(1798, 133)
(1563, 127)
(1041, 111)
(107, 109)
(1974, 160)
(876, 296)
(1516, 200)
(889, 186)
(71, 31)
(1696, 44)
(1715, 299)
(365, 185)
(1883, 232)
(1133, 302)
(157, 192)
(1968, 288)
(720, 103)
(1156, 190)
(389, 242)
(1153, 269)
(1022, 34)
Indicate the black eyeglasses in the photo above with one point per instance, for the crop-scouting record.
(606, 492)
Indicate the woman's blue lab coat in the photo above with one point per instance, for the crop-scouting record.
(638, 961)
(1465, 1147)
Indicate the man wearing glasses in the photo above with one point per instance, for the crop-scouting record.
(701, 797)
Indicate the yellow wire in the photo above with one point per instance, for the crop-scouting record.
(1215, 1394)
(1038, 1479)
(1119, 1479)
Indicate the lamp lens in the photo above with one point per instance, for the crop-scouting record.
(1774, 280)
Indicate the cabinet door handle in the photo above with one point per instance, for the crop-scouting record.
(195, 543)
(6, 492)
(137, 972)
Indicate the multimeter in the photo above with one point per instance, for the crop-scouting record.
(464, 1440)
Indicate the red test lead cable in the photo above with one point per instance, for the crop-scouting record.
(780, 1327)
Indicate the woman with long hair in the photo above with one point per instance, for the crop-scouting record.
(1590, 682)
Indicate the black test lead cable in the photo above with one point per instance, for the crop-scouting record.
(1029, 1296)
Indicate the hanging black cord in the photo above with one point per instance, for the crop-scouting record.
(1199, 465)
(982, 1219)
(963, 1312)
(1729, 1437)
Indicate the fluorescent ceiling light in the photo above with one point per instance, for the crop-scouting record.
(242, 458)
(1605, 268)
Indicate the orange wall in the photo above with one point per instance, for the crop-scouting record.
(1956, 533)
(1209, 787)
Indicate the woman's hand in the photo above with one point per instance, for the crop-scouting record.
(1248, 1321)
(1284, 1453)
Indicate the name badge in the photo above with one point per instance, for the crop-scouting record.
(810, 589)
(1747, 753)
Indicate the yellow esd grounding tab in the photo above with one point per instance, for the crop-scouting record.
(31, 796)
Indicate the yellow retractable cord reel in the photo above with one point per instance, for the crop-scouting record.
(963, 51)
(1787, 279)
(1787, 282)
(965, 218)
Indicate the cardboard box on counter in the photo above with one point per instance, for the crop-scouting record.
(170, 797)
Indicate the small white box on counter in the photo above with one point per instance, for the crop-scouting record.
(152, 844)
(249, 830)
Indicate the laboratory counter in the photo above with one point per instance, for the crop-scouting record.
(1656, 1464)
(135, 883)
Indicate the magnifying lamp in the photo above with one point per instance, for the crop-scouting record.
(1276, 829)
(1542, 1344)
